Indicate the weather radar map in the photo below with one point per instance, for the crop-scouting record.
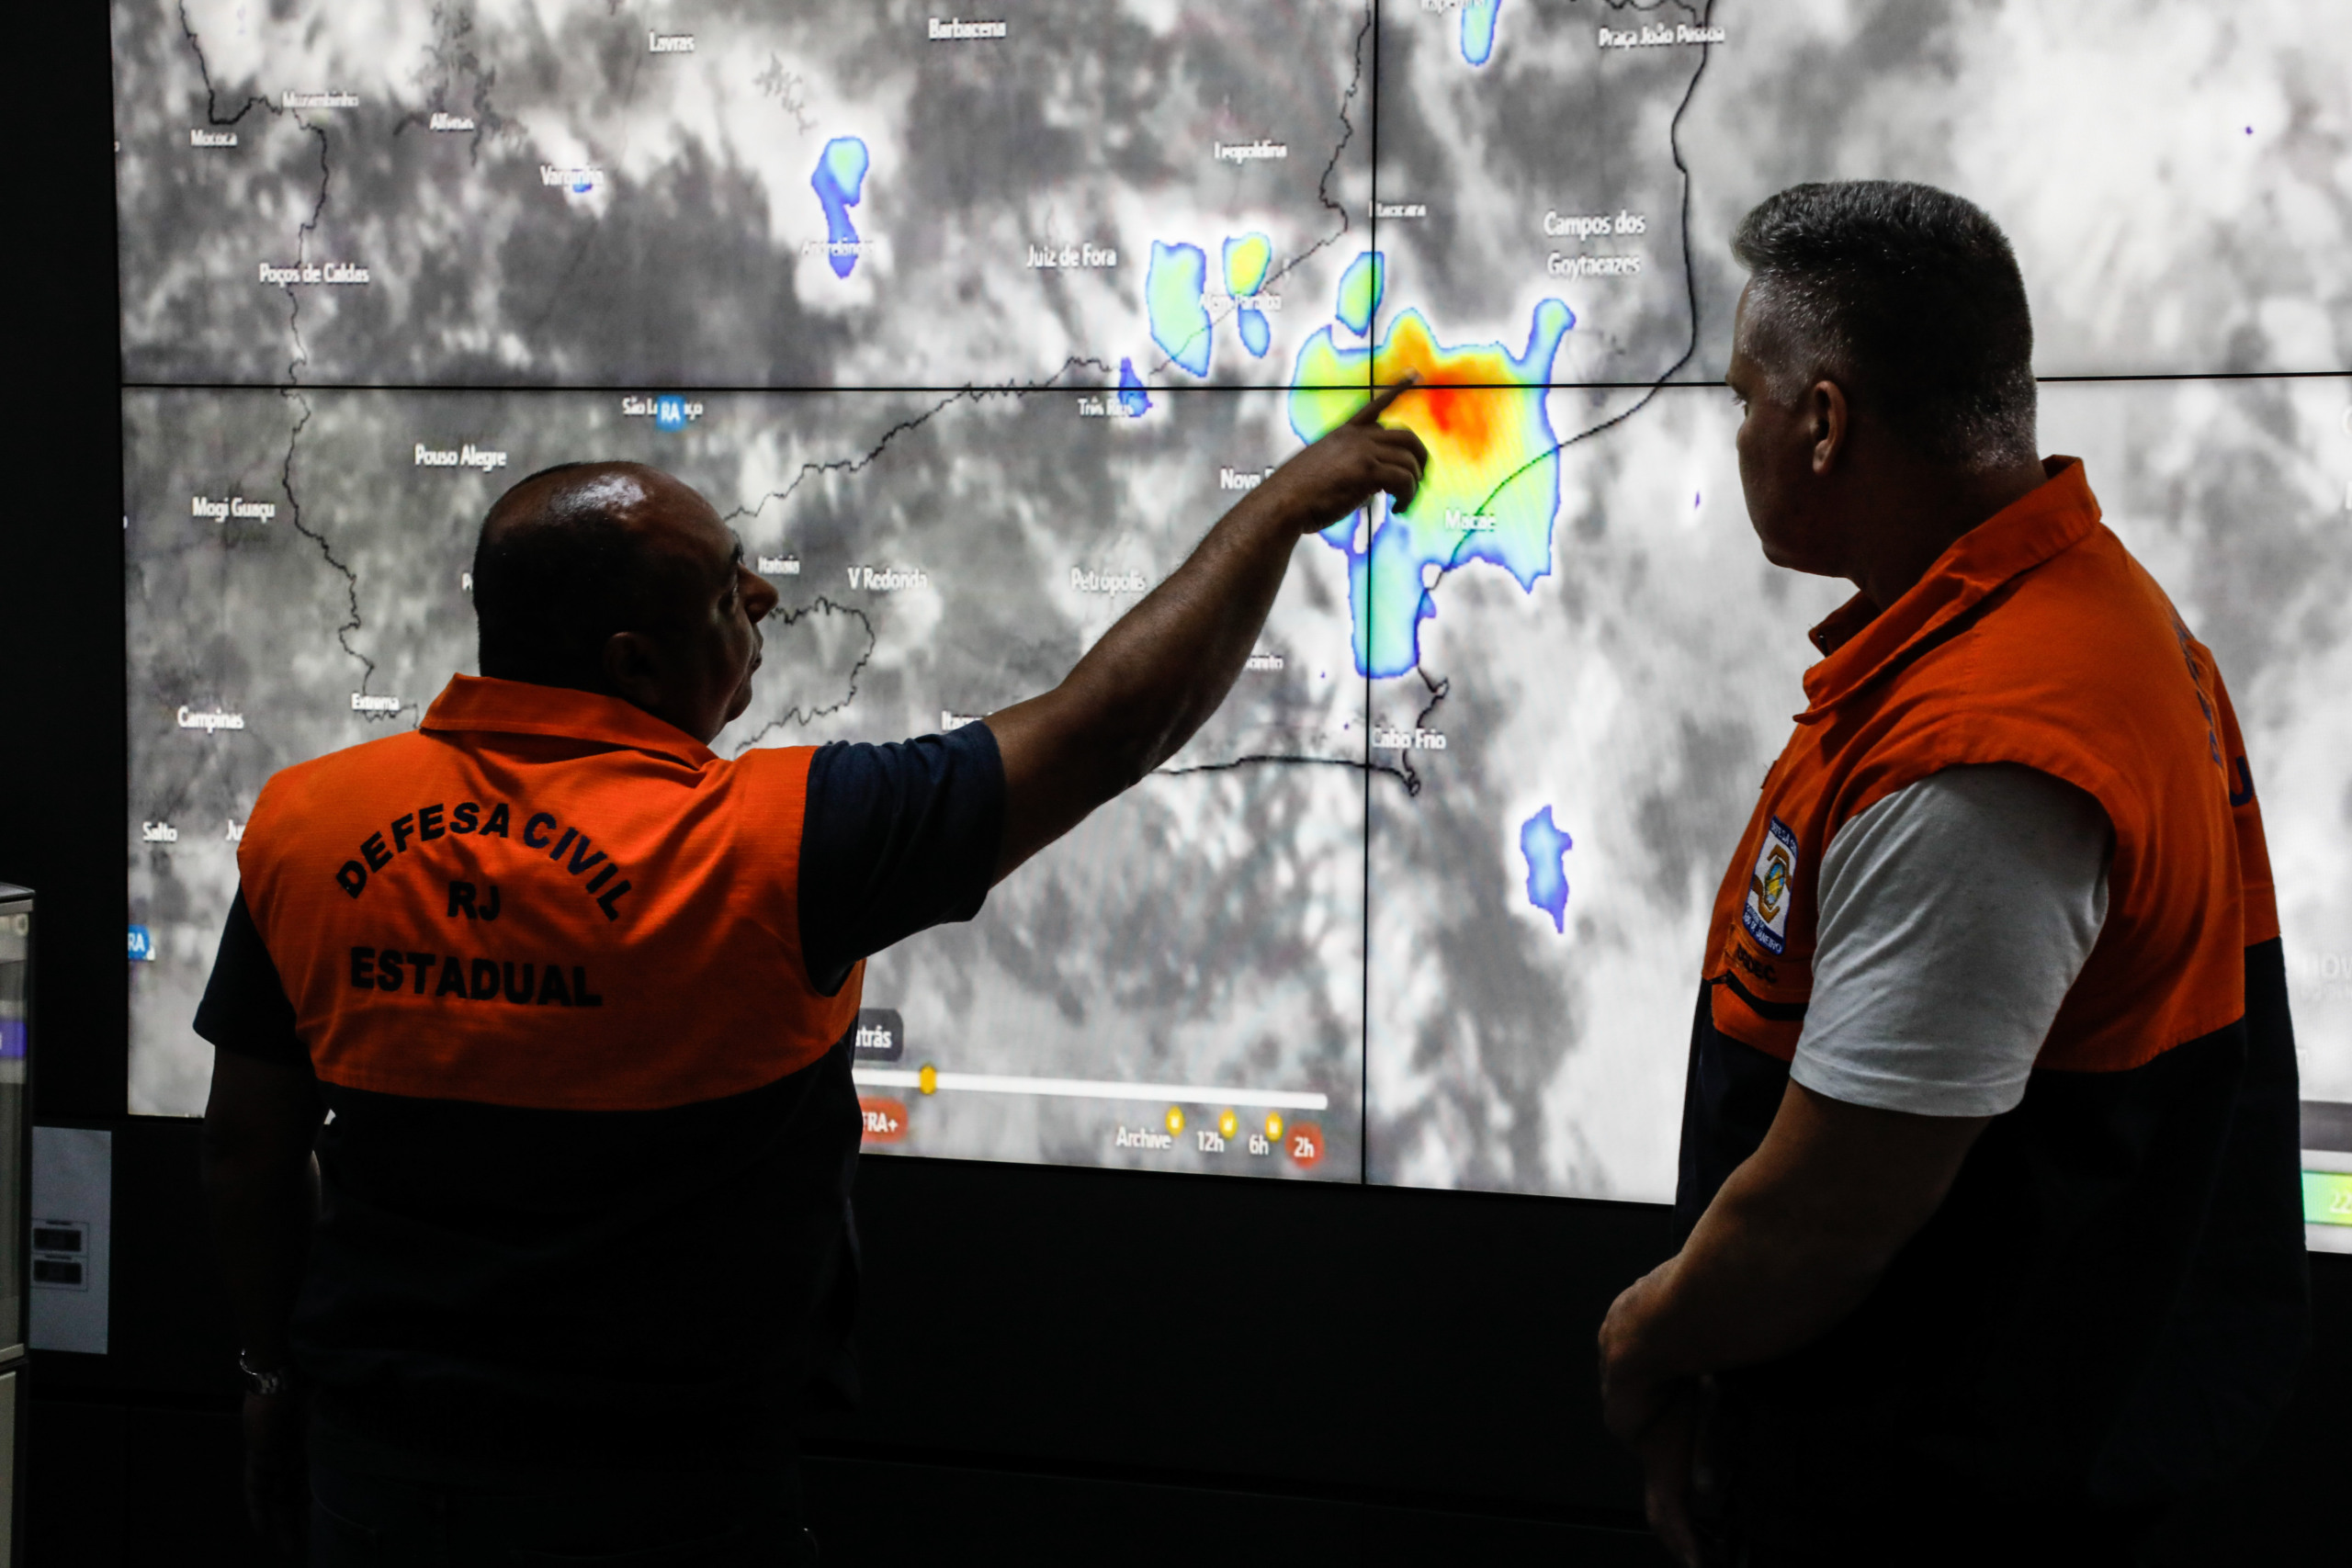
(971, 324)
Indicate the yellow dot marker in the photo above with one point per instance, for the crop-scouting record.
(927, 1080)
(1228, 1123)
(1274, 1125)
(1175, 1119)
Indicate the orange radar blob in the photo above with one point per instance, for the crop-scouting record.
(1490, 491)
(1465, 421)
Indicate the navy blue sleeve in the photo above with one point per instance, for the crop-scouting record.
(895, 840)
(244, 1007)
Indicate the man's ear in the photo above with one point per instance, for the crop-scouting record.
(632, 667)
(1828, 423)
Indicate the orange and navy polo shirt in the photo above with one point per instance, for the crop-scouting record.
(577, 993)
(2108, 1302)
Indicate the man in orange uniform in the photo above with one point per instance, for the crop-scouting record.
(1989, 1138)
(571, 993)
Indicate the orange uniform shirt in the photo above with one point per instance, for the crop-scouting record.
(2036, 640)
(2107, 1303)
(544, 899)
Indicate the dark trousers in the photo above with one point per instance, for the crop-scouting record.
(361, 1517)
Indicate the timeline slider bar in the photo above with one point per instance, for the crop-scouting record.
(1087, 1088)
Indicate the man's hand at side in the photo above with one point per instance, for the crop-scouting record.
(263, 1191)
(1656, 1418)
(1794, 1241)
(1141, 692)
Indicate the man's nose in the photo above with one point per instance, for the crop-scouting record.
(759, 596)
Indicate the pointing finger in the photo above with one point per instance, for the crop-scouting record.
(1407, 456)
(1402, 481)
(1398, 435)
(1370, 413)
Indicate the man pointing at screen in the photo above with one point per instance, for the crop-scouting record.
(572, 996)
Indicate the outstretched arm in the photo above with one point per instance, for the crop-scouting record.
(1157, 675)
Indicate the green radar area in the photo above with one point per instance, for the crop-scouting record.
(1178, 317)
(1247, 256)
(1478, 18)
(1360, 291)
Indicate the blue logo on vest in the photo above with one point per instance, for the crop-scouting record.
(1766, 918)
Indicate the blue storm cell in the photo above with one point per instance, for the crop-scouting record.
(1257, 336)
(1132, 397)
(1360, 288)
(670, 413)
(840, 183)
(1247, 259)
(1173, 304)
(1478, 29)
(1543, 844)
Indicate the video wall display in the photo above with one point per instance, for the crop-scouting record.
(971, 325)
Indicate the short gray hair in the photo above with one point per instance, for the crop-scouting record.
(1908, 298)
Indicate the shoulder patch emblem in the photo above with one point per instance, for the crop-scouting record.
(1769, 887)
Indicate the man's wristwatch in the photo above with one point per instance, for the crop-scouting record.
(277, 1380)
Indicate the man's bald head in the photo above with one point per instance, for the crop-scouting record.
(571, 556)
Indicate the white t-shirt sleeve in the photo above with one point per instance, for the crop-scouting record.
(1954, 916)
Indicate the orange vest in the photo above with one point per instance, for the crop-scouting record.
(542, 897)
(2108, 1305)
(2075, 663)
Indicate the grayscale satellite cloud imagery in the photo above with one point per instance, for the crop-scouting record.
(972, 324)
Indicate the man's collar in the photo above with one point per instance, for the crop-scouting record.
(1858, 641)
(519, 708)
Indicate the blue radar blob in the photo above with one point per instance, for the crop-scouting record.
(840, 181)
(1478, 29)
(1132, 397)
(1247, 257)
(1172, 296)
(1256, 335)
(1359, 289)
(1547, 879)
